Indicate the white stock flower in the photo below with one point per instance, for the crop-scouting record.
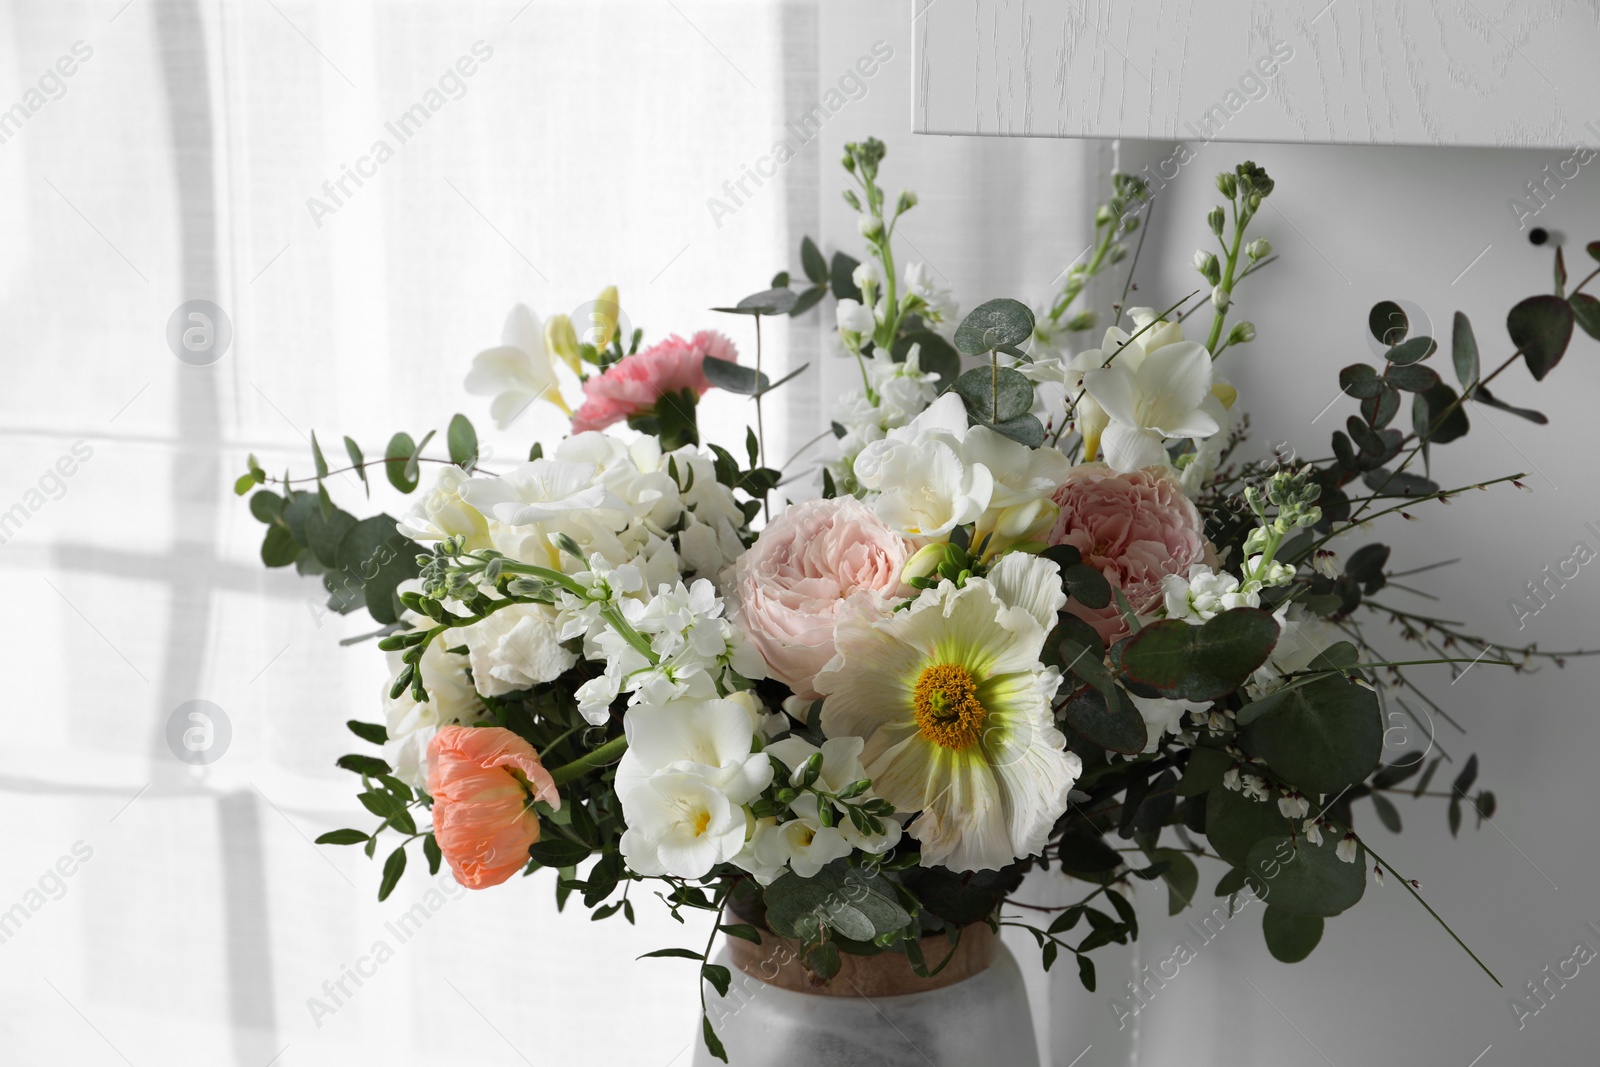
(803, 842)
(1204, 594)
(940, 304)
(516, 372)
(541, 491)
(853, 317)
(517, 647)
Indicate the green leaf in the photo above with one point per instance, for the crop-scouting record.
(558, 852)
(1483, 396)
(1439, 428)
(383, 805)
(713, 1045)
(393, 868)
(396, 458)
(856, 904)
(1386, 812)
(743, 931)
(368, 765)
(719, 977)
(1387, 322)
(823, 960)
(1110, 722)
(994, 323)
(1025, 430)
(248, 481)
(375, 557)
(462, 440)
(1086, 585)
(995, 395)
(1290, 937)
(1468, 775)
(342, 837)
(1541, 327)
(266, 506)
(812, 262)
(1231, 883)
(1360, 381)
(1427, 777)
(1586, 312)
(278, 548)
(672, 953)
(430, 851)
(1464, 351)
(1399, 483)
(1413, 377)
(356, 460)
(1305, 879)
(414, 464)
(369, 731)
(1085, 852)
(1412, 350)
(324, 532)
(1204, 662)
(844, 286)
(1234, 823)
(1182, 878)
(1086, 972)
(766, 302)
(1320, 737)
(1392, 774)
(1367, 562)
(317, 457)
(1205, 771)
(808, 300)
(735, 378)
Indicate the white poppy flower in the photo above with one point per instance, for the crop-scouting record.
(518, 371)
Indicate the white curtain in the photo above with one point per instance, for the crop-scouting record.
(203, 150)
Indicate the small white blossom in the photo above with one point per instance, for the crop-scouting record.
(1254, 787)
(1230, 779)
(1294, 805)
(1326, 563)
(1313, 831)
(854, 317)
(1346, 849)
(1203, 595)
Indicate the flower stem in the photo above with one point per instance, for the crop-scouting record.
(594, 758)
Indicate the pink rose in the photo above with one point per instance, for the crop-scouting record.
(633, 385)
(1135, 529)
(814, 563)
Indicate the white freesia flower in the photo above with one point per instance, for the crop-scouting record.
(923, 486)
(940, 305)
(683, 784)
(411, 723)
(854, 317)
(442, 513)
(1020, 505)
(1204, 594)
(517, 647)
(1164, 397)
(954, 707)
(518, 371)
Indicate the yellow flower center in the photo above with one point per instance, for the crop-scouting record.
(948, 710)
(702, 819)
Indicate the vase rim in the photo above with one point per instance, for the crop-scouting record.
(776, 962)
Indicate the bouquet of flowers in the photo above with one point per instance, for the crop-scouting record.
(1042, 613)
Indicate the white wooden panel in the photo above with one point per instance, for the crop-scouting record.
(1522, 73)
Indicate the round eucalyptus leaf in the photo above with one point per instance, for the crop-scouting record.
(1234, 823)
(1296, 876)
(992, 324)
(1290, 937)
(1320, 737)
(1541, 327)
(1205, 662)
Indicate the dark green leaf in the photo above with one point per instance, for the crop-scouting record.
(1234, 823)
(1411, 350)
(1085, 852)
(558, 852)
(713, 1045)
(325, 532)
(1392, 774)
(994, 323)
(462, 440)
(430, 851)
(371, 766)
(1360, 381)
(1387, 322)
(1205, 771)
(766, 302)
(1086, 585)
(1436, 416)
(1204, 662)
(1290, 937)
(1086, 972)
(1541, 327)
(1399, 483)
(807, 300)
(1025, 429)
(1319, 737)
(744, 931)
(1386, 812)
(1380, 410)
(1344, 451)
(1367, 562)
(369, 731)
(1468, 775)
(856, 904)
(1231, 883)
(1112, 723)
(376, 558)
(266, 506)
(844, 286)
(995, 395)
(823, 960)
(735, 378)
(672, 953)
(1305, 879)
(396, 458)
(317, 459)
(718, 976)
(812, 262)
(1412, 377)
(1427, 777)
(1586, 312)
(1483, 396)
(1182, 878)
(278, 548)
(342, 837)
(356, 461)
(393, 868)
(1464, 351)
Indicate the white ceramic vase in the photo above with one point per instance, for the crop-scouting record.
(873, 1014)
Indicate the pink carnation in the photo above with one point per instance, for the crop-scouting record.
(1135, 529)
(633, 385)
(812, 565)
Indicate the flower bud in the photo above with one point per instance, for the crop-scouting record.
(1103, 215)
(925, 561)
(606, 311)
(1242, 334)
(1206, 263)
(908, 200)
(848, 162)
(1217, 219)
(1227, 185)
(562, 341)
(871, 227)
(1083, 320)
(1220, 298)
(1260, 248)
(852, 199)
